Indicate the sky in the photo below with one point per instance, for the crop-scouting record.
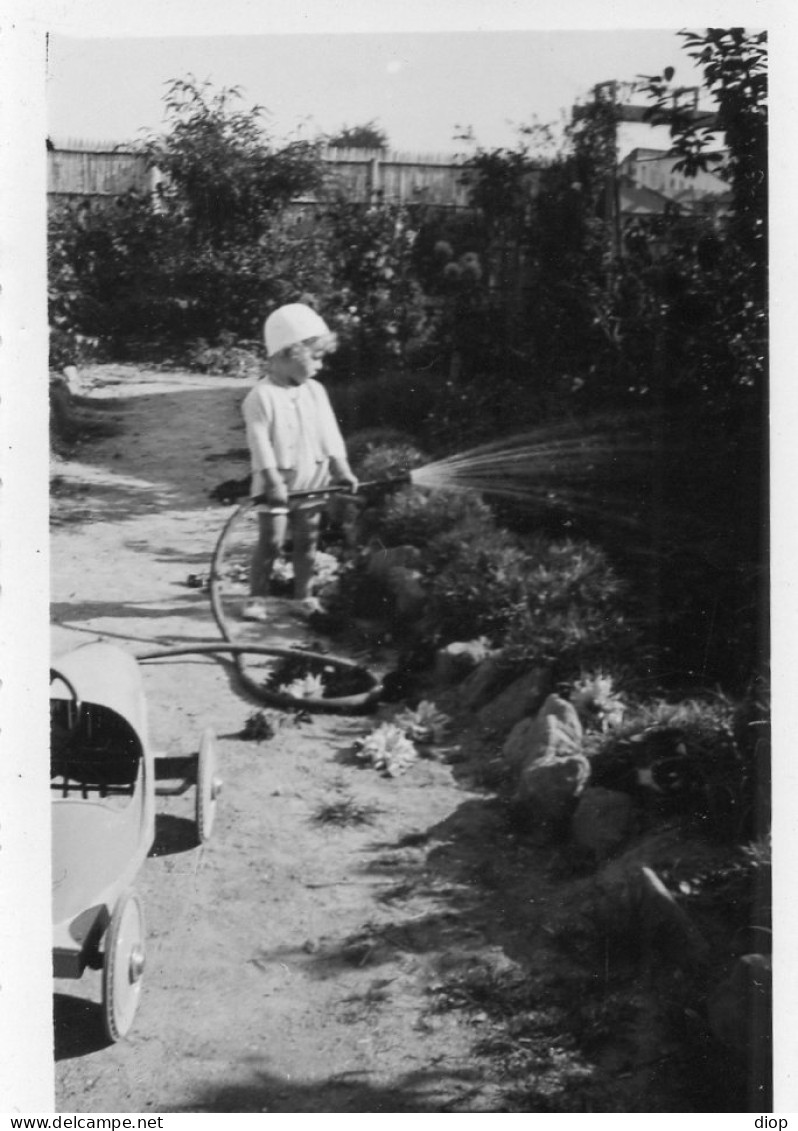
(423, 89)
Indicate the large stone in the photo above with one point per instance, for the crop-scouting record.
(409, 594)
(510, 706)
(555, 731)
(382, 560)
(395, 569)
(602, 820)
(457, 660)
(486, 681)
(666, 926)
(547, 791)
(72, 378)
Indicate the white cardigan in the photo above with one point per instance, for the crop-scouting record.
(291, 427)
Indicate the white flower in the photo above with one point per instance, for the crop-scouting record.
(326, 568)
(308, 687)
(283, 570)
(388, 749)
(478, 649)
(596, 695)
(425, 724)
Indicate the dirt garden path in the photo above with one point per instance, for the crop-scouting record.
(293, 965)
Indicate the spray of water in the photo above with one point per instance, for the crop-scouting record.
(593, 473)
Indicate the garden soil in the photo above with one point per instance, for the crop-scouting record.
(294, 963)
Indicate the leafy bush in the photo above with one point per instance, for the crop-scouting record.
(419, 518)
(575, 614)
(107, 274)
(376, 303)
(222, 177)
(66, 347)
(686, 754)
(383, 398)
(210, 253)
(358, 594)
(480, 591)
(225, 358)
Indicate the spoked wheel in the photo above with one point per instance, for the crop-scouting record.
(209, 785)
(123, 966)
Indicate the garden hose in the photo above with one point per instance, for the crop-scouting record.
(347, 704)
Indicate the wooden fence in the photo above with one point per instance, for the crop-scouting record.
(75, 174)
(82, 171)
(398, 178)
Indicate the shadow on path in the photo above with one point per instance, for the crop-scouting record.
(77, 1027)
(105, 479)
(420, 1091)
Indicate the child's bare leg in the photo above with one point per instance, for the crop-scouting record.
(271, 536)
(305, 531)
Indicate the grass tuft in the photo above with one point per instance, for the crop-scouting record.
(346, 811)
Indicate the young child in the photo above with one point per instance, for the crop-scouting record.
(295, 445)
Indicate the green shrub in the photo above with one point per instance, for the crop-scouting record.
(542, 602)
(480, 591)
(384, 461)
(380, 400)
(419, 518)
(66, 347)
(376, 305)
(366, 445)
(358, 594)
(226, 357)
(576, 610)
(700, 769)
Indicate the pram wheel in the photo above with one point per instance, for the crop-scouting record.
(123, 966)
(209, 785)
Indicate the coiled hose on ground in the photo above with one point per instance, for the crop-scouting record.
(346, 704)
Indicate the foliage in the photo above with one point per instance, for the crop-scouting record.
(380, 453)
(376, 304)
(380, 400)
(419, 518)
(734, 64)
(388, 749)
(724, 273)
(227, 357)
(261, 726)
(577, 611)
(424, 724)
(67, 347)
(223, 180)
(594, 695)
(667, 315)
(477, 590)
(685, 758)
(345, 812)
(540, 602)
(367, 136)
(309, 686)
(211, 253)
(102, 276)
